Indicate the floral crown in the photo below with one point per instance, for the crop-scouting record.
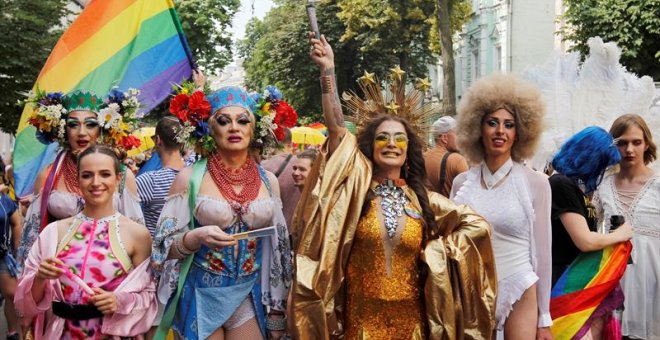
(117, 115)
(397, 101)
(273, 115)
(193, 109)
(190, 106)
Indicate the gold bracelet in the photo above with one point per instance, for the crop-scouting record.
(327, 85)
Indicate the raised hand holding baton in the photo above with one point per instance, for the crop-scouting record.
(313, 24)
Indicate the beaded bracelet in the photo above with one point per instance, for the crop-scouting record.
(276, 324)
(180, 247)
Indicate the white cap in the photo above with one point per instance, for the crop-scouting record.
(443, 125)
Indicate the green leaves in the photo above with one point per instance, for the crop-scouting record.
(633, 24)
(206, 24)
(30, 30)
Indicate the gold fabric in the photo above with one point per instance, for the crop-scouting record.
(460, 288)
(382, 305)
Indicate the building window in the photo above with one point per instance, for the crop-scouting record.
(476, 65)
(498, 58)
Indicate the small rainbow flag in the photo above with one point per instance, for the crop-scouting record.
(125, 43)
(584, 286)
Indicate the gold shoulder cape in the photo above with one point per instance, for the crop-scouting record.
(460, 289)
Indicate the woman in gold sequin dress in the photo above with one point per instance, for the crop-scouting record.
(378, 256)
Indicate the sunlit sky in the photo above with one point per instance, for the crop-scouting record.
(241, 19)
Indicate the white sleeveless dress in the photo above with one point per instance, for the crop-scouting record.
(641, 281)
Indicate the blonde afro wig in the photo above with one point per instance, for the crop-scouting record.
(489, 94)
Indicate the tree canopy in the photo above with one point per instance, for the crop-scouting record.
(30, 30)
(633, 24)
(206, 23)
(365, 35)
(279, 54)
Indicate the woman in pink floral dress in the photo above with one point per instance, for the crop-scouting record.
(86, 276)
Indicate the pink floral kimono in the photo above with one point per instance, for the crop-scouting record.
(92, 250)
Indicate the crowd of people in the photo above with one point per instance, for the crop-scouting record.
(368, 237)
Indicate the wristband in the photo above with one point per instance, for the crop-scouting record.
(327, 85)
(276, 324)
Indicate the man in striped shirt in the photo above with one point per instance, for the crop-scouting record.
(153, 186)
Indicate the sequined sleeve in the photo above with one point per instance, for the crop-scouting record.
(31, 228)
(277, 257)
(174, 220)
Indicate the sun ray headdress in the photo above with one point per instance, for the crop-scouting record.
(396, 99)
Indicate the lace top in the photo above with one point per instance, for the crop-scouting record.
(518, 210)
(217, 211)
(263, 212)
(640, 281)
(64, 204)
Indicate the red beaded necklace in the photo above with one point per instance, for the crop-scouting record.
(247, 176)
(69, 173)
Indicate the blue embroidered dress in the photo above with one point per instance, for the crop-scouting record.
(220, 283)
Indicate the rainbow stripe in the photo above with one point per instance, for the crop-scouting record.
(126, 43)
(584, 286)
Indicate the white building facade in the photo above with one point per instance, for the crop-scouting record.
(506, 36)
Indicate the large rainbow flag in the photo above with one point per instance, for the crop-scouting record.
(125, 43)
(584, 286)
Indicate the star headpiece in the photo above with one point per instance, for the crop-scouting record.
(393, 100)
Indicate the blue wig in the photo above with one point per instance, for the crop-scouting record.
(586, 155)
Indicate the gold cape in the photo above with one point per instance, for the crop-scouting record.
(460, 289)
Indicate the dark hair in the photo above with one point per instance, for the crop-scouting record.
(586, 155)
(308, 154)
(167, 129)
(286, 140)
(413, 171)
(623, 123)
(102, 149)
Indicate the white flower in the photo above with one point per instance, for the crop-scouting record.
(109, 117)
(184, 134)
(133, 92)
(51, 112)
(114, 107)
(130, 103)
(61, 129)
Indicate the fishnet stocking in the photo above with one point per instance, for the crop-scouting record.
(249, 330)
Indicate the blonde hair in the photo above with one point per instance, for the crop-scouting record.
(489, 94)
(623, 123)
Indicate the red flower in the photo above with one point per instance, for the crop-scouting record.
(248, 265)
(179, 107)
(99, 256)
(199, 108)
(67, 290)
(279, 133)
(285, 115)
(252, 245)
(129, 142)
(97, 274)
